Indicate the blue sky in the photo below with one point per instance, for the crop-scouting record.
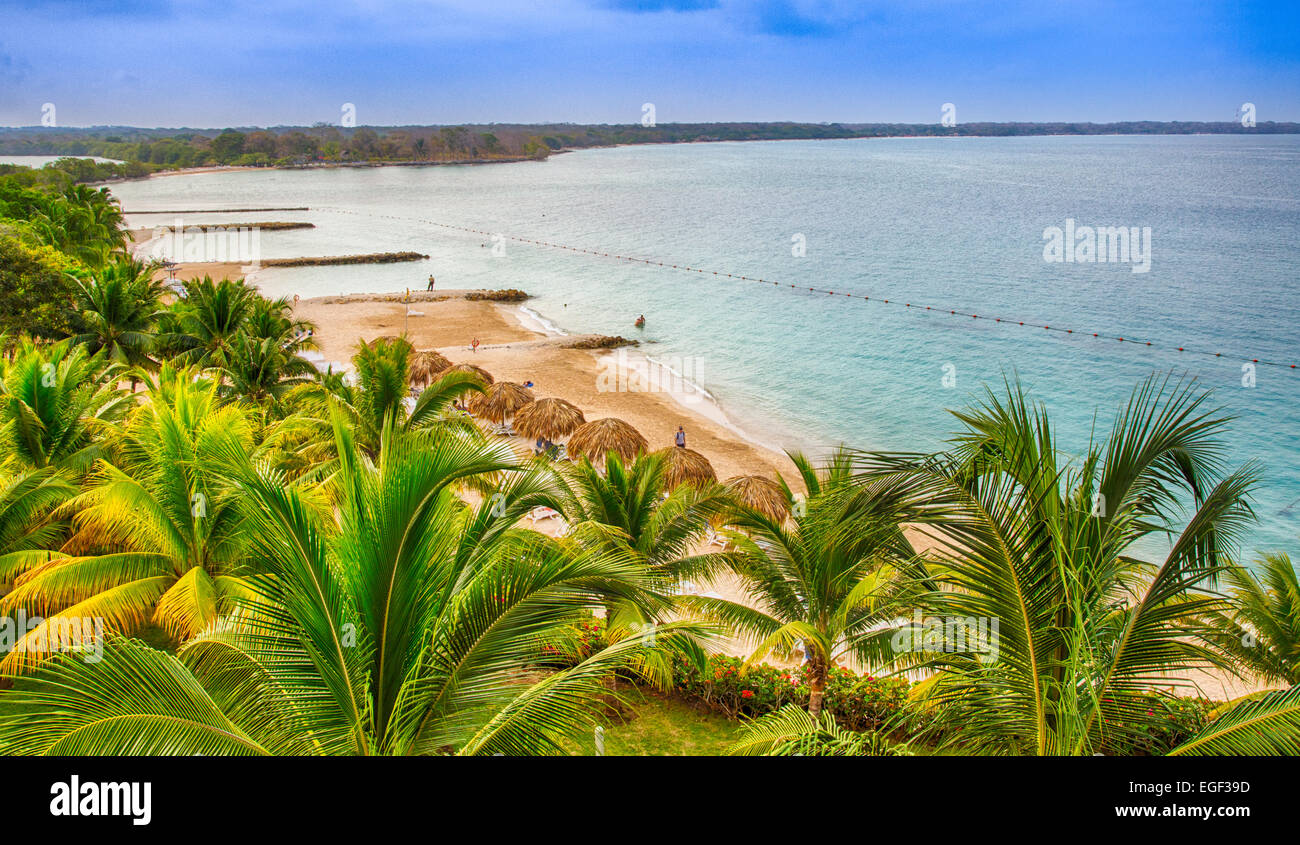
(266, 62)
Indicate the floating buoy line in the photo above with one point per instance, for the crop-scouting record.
(913, 306)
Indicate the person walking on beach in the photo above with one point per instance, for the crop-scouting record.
(430, 281)
(474, 345)
(680, 439)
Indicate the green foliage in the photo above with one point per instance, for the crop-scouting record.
(56, 402)
(1086, 628)
(398, 621)
(1260, 631)
(116, 310)
(819, 577)
(793, 732)
(36, 288)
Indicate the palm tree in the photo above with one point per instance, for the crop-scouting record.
(262, 371)
(371, 397)
(116, 312)
(28, 526)
(177, 546)
(400, 621)
(206, 322)
(815, 580)
(272, 319)
(793, 732)
(1049, 550)
(631, 505)
(1261, 629)
(53, 401)
(84, 222)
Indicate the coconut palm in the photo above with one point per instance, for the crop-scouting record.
(1261, 629)
(177, 544)
(399, 622)
(376, 394)
(793, 732)
(814, 582)
(272, 319)
(28, 526)
(84, 222)
(632, 506)
(116, 311)
(105, 214)
(204, 325)
(1047, 547)
(53, 401)
(262, 370)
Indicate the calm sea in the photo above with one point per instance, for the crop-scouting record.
(957, 223)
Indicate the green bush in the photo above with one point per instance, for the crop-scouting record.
(1173, 721)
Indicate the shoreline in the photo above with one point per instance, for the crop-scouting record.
(513, 350)
(519, 345)
(325, 165)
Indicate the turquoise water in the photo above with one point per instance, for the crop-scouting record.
(952, 222)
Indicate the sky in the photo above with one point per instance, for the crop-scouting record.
(294, 62)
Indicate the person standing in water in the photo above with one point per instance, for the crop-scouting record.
(680, 439)
(430, 281)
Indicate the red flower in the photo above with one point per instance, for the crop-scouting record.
(745, 693)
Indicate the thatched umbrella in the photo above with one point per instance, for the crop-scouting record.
(500, 401)
(685, 466)
(592, 440)
(426, 365)
(762, 494)
(472, 369)
(553, 419)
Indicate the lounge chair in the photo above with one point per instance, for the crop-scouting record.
(713, 538)
(541, 512)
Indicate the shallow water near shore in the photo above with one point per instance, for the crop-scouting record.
(957, 224)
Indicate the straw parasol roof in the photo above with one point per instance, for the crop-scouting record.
(500, 401)
(685, 466)
(472, 369)
(592, 440)
(549, 418)
(760, 493)
(426, 365)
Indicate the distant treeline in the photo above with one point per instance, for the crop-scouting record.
(143, 151)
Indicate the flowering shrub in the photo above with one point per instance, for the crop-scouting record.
(1176, 720)
(862, 702)
(585, 637)
(725, 685)
(858, 702)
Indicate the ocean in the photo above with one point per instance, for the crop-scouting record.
(972, 225)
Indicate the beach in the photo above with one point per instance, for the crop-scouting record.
(513, 350)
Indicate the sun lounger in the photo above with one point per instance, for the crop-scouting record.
(541, 512)
(714, 539)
